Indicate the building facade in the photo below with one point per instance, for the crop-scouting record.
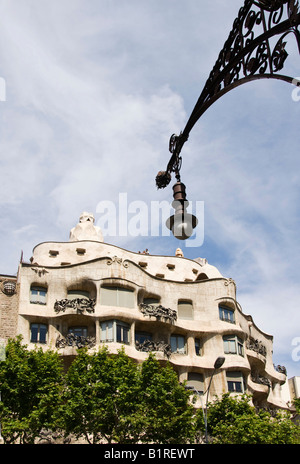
(85, 292)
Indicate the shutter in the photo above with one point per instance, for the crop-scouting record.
(185, 310)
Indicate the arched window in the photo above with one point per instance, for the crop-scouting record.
(117, 296)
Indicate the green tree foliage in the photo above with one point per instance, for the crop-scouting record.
(232, 420)
(105, 397)
(112, 398)
(31, 385)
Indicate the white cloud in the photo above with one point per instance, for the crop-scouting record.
(94, 91)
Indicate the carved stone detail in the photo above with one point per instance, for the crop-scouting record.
(116, 259)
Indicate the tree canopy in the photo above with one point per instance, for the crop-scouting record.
(112, 399)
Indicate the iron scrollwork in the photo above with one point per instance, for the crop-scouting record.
(158, 311)
(248, 54)
(257, 346)
(78, 304)
(78, 341)
(149, 345)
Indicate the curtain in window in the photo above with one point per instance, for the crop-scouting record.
(185, 310)
(196, 380)
(117, 296)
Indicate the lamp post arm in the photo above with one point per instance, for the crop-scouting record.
(247, 55)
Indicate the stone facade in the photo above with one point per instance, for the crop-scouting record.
(85, 292)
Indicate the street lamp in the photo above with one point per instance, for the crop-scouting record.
(248, 54)
(217, 365)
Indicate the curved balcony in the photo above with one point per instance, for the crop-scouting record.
(80, 305)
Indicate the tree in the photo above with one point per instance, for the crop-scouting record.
(232, 420)
(31, 383)
(110, 397)
(168, 414)
(102, 397)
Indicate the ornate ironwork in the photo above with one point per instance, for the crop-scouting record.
(158, 311)
(257, 378)
(149, 345)
(257, 346)
(248, 54)
(78, 304)
(78, 341)
(280, 369)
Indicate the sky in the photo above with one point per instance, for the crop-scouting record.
(93, 91)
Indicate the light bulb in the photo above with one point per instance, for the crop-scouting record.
(182, 228)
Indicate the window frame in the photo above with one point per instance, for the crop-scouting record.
(235, 382)
(189, 306)
(119, 330)
(38, 297)
(224, 311)
(235, 344)
(176, 338)
(118, 289)
(39, 325)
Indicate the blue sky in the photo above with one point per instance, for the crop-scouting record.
(94, 90)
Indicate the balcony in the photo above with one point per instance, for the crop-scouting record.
(159, 312)
(79, 305)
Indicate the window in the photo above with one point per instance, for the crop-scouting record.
(196, 380)
(233, 345)
(226, 314)
(151, 301)
(141, 337)
(74, 294)
(38, 333)
(177, 344)
(198, 346)
(114, 331)
(78, 330)
(117, 296)
(185, 310)
(122, 333)
(235, 382)
(38, 295)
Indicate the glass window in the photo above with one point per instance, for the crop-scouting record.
(226, 314)
(78, 330)
(141, 337)
(73, 294)
(122, 333)
(198, 347)
(151, 301)
(235, 382)
(196, 380)
(107, 334)
(233, 345)
(38, 333)
(177, 344)
(117, 296)
(38, 295)
(185, 310)
(114, 331)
